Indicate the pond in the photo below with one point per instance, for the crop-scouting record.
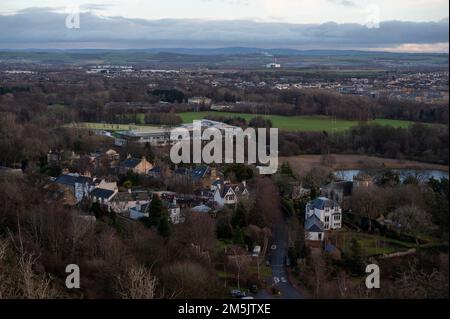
(421, 175)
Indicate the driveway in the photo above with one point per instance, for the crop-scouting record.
(277, 262)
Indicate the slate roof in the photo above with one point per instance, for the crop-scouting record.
(133, 196)
(199, 172)
(102, 193)
(224, 190)
(313, 224)
(322, 203)
(71, 180)
(201, 209)
(182, 171)
(155, 170)
(218, 182)
(130, 162)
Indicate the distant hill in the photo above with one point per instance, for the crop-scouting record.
(236, 51)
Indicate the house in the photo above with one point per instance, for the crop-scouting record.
(201, 209)
(338, 191)
(102, 196)
(139, 211)
(362, 180)
(322, 214)
(229, 194)
(136, 165)
(314, 229)
(200, 100)
(76, 185)
(155, 172)
(123, 202)
(174, 211)
(226, 193)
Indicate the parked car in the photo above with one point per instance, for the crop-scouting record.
(254, 289)
(236, 293)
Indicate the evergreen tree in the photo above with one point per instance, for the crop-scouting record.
(156, 210)
(239, 218)
(239, 236)
(164, 226)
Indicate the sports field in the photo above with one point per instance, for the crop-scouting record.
(295, 123)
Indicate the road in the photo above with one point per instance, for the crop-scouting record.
(277, 262)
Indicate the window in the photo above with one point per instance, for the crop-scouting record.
(337, 217)
(327, 219)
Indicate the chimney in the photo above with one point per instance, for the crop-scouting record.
(244, 183)
(129, 190)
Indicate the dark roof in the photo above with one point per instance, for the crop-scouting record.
(199, 172)
(131, 162)
(224, 190)
(218, 182)
(71, 180)
(133, 196)
(102, 193)
(314, 224)
(155, 170)
(322, 203)
(182, 171)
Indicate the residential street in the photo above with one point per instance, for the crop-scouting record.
(279, 275)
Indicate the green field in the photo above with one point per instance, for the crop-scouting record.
(295, 123)
(286, 123)
(371, 245)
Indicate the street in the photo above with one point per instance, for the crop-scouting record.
(279, 275)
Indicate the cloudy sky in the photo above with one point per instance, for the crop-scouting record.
(400, 25)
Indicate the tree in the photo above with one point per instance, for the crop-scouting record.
(239, 218)
(412, 220)
(355, 260)
(223, 228)
(137, 283)
(239, 236)
(156, 210)
(365, 202)
(164, 226)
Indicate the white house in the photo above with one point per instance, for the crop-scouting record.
(321, 214)
(79, 186)
(174, 212)
(229, 194)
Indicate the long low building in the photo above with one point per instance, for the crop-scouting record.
(153, 136)
(161, 136)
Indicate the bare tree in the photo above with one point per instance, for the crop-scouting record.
(137, 283)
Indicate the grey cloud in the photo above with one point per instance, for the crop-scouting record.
(345, 3)
(46, 29)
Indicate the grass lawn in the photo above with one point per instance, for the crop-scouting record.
(294, 123)
(370, 244)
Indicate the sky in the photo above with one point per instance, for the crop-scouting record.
(348, 24)
(292, 11)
